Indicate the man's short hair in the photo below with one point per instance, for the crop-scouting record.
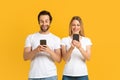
(44, 12)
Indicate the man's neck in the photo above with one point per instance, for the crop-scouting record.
(41, 32)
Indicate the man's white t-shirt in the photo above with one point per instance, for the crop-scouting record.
(42, 65)
(76, 65)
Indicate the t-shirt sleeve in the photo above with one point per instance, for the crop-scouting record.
(57, 43)
(28, 41)
(88, 41)
(63, 41)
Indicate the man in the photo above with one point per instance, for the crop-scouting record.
(43, 54)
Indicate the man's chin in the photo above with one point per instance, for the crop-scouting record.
(44, 30)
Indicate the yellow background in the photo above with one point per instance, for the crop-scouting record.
(18, 18)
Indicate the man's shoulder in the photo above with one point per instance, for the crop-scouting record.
(32, 35)
(55, 36)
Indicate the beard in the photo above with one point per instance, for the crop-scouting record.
(44, 28)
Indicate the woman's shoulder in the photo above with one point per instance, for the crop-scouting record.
(86, 40)
(66, 38)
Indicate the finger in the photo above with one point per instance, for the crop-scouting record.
(42, 46)
(42, 49)
(45, 46)
(38, 49)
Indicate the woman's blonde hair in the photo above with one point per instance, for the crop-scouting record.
(81, 33)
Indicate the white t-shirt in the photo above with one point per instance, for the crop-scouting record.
(42, 65)
(76, 65)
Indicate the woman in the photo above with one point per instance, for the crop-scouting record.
(75, 53)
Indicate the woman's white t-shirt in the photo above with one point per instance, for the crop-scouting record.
(76, 65)
(42, 65)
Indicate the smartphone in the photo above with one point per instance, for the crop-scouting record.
(76, 37)
(42, 42)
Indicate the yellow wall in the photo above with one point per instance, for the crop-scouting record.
(18, 18)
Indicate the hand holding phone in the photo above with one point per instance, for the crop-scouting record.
(76, 37)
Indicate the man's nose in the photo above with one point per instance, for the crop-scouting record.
(43, 23)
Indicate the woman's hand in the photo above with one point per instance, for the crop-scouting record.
(76, 44)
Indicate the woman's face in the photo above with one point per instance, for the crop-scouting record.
(75, 27)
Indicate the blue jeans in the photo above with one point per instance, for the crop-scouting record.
(48, 78)
(75, 78)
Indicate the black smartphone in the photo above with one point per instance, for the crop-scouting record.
(42, 42)
(76, 37)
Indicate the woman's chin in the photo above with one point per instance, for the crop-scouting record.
(75, 32)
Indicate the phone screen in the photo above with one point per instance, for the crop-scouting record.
(76, 37)
(42, 42)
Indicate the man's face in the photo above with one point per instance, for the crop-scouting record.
(44, 22)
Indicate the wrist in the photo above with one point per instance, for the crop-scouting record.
(80, 48)
(72, 47)
(36, 50)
